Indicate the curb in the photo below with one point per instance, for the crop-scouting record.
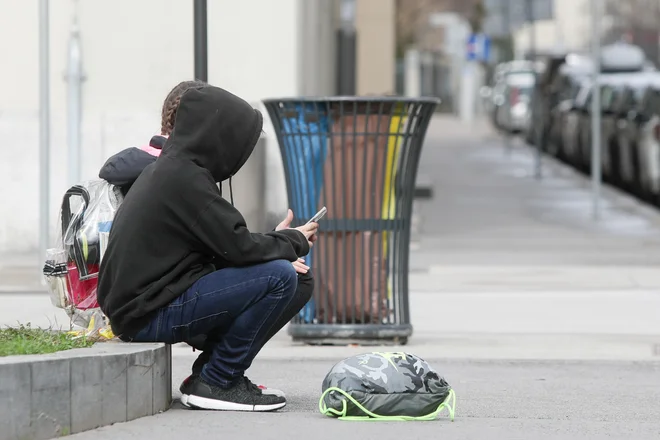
(46, 396)
(18, 289)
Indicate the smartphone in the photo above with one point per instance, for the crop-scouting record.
(318, 216)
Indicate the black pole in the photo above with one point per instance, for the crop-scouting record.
(346, 50)
(346, 61)
(201, 41)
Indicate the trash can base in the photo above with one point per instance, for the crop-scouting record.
(350, 334)
(361, 342)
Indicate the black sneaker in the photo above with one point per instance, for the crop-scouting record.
(186, 386)
(242, 396)
(187, 383)
(197, 367)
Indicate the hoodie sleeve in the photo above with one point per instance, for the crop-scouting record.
(222, 231)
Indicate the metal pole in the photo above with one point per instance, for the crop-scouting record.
(346, 50)
(538, 131)
(506, 13)
(44, 131)
(657, 34)
(595, 108)
(74, 78)
(201, 41)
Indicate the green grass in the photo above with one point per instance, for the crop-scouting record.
(27, 340)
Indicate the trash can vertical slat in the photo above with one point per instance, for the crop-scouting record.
(381, 163)
(354, 177)
(391, 198)
(362, 164)
(404, 180)
(363, 211)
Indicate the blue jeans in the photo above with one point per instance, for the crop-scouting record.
(237, 309)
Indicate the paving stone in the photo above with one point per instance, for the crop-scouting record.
(86, 393)
(50, 414)
(140, 384)
(162, 380)
(15, 397)
(114, 388)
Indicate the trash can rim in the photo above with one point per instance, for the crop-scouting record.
(325, 99)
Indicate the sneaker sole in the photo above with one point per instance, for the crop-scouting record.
(197, 402)
(184, 397)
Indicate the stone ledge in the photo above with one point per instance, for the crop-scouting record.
(45, 396)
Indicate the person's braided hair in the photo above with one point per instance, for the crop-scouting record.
(171, 104)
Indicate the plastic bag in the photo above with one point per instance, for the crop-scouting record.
(86, 216)
(56, 273)
(92, 324)
(72, 266)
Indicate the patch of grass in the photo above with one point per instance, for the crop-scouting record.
(27, 340)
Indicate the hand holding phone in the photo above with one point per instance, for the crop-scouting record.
(310, 228)
(318, 216)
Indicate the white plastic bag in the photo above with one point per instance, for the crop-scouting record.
(72, 265)
(87, 213)
(55, 273)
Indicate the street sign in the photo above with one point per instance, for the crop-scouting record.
(478, 47)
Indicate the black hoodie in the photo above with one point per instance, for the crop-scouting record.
(174, 227)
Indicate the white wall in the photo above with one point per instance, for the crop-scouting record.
(134, 52)
(570, 28)
(376, 46)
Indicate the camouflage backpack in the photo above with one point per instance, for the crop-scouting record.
(385, 386)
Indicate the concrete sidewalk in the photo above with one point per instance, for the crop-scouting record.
(495, 400)
(545, 322)
(21, 273)
(490, 210)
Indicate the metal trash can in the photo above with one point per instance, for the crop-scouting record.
(359, 158)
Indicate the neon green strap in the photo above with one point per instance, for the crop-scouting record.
(449, 403)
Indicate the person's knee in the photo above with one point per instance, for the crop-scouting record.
(286, 275)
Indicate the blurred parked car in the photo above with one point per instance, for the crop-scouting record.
(509, 95)
(576, 115)
(565, 86)
(560, 120)
(512, 105)
(611, 86)
(636, 115)
(543, 101)
(615, 58)
(619, 98)
(609, 95)
(648, 143)
(631, 117)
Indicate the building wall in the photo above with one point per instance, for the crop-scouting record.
(134, 52)
(571, 28)
(317, 59)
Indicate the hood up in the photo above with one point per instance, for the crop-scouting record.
(215, 129)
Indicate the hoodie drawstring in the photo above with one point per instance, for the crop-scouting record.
(231, 193)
